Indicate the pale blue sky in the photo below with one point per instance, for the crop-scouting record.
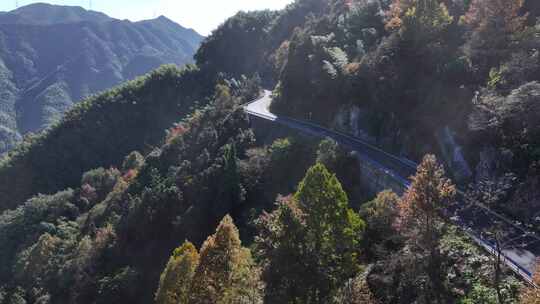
(202, 15)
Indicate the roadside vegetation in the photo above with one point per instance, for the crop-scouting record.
(178, 202)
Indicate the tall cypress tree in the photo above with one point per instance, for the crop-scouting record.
(316, 235)
(223, 273)
(230, 191)
(175, 281)
(419, 215)
(226, 272)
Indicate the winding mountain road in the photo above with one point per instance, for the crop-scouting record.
(521, 247)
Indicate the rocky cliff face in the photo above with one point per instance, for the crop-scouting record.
(353, 120)
(453, 155)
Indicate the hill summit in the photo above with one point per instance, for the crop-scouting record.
(53, 56)
(48, 14)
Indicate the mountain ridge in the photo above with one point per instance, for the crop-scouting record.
(47, 14)
(46, 67)
(108, 207)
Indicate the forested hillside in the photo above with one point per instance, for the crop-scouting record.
(178, 202)
(47, 14)
(54, 56)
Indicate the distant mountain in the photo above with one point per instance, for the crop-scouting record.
(53, 56)
(48, 14)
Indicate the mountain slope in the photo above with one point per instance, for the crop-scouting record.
(54, 56)
(108, 234)
(97, 132)
(47, 14)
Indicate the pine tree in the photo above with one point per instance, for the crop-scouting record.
(226, 273)
(310, 244)
(430, 190)
(232, 179)
(333, 229)
(419, 218)
(280, 245)
(223, 273)
(175, 281)
(381, 214)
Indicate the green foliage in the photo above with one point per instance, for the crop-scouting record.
(17, 297)
(310, 244)
(333, 228)
(226, 273)
(467, 269)
(134, 161)
(47, 164)
(99, 182)
(107, 240)
(98, 53)
(481, 295)
(223, 272)
(426, 32)
(315, 66)
(237, 47)
(425, 20)
(511, 121)
(175, 281)
(23, 226)
(341, 161)
(118, 287)
(495, 78)
(53, 102)
(363, 24)
(231, 190)
(328, 152)
(280, 149)
(289, 158)
(381, 234)
(100, 257)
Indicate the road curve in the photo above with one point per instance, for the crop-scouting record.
(523, 248)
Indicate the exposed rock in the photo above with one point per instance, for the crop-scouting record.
(453, 155)
(353, 120)
(492, 163)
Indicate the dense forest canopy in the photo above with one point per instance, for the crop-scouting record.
(181, 202)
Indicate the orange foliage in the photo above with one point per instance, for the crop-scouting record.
(531, 295)
(428, 192)
(503, 14)
(394, 14)
(352, 68)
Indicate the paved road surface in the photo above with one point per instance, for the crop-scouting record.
(522, 247)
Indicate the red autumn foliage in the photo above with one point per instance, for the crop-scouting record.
(504, 14)
(130, 175)
(174, 132)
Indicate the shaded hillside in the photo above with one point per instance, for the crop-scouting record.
(52, 57)
(459, 79)
(48, 14)
(116, 225)
(97, 132)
